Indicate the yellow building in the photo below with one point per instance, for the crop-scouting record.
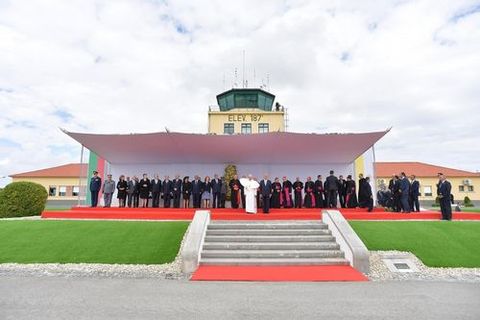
(61, 183)
(246, 111)
(464, 183)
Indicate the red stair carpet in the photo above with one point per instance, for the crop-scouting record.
(239, 214)
(277, 273)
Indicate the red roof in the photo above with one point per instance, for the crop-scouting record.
(419, 169)
(63, 171)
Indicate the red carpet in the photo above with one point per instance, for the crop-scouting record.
(277, 273)
(239, 214)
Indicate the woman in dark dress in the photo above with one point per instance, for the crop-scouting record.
(186, 191)
(351, 193)
(309, 193)
(144, 188)
(122, 191)
(276, 194)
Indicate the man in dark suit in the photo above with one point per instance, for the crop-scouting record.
(342, 191)
(176, 191)
(368, 194)
(397, 196)
(444, 189)
(361, 192)
(95, 185)
(266, 191)
(331, 186)
(216, 190)
(404, 193)
(155, 188)
(414, 194)
(196, 192)
(167, 191)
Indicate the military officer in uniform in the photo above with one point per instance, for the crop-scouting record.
(95, 185)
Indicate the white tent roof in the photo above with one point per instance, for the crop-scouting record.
(272, 148)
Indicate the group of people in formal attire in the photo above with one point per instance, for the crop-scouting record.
(211, 193)
(402, 193)
(145, 192)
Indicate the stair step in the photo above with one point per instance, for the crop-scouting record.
(273, 261)
(271, 246)
(256, 225)
(243, 238)
(268, 232)
(278, 254)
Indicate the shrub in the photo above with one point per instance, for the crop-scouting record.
(467, 202)
(20, 199)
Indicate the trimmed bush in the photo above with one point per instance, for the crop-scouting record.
(467, 202)
(21, 199)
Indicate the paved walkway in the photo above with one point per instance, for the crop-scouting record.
(101, 298)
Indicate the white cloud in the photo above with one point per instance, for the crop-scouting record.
(139, 66)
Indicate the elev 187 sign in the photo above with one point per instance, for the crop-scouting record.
(244, 117)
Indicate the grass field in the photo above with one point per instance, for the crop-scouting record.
(436, 243)
(124, 242)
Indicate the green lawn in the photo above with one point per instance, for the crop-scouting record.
(471, 209)
(436, 243)
(127, 242)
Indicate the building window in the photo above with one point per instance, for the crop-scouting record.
(427, 190)
(75, 191)
(52, 191)
(246, 128)
(470, 189)
(62, 191)
(461, 188)
(263, 128)
(228, 128)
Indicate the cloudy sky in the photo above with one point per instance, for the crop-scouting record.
(141, 66)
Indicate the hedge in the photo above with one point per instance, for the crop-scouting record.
(20, 199)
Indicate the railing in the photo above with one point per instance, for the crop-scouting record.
(215, 108)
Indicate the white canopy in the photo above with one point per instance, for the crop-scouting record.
(186, 148)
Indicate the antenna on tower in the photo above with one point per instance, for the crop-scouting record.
(235, 83)
(254, 78)
(286, 119)
(224, 86)
(243, 76)
(268, 82)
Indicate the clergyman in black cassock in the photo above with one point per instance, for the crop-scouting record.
(309, 200)
(319, 191)
(235, 189)
(297, 190)
(276, 194)
(287, 188)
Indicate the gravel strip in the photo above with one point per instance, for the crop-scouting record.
(164, 271)
(380, 272)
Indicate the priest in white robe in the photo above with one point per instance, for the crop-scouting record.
(250, 186)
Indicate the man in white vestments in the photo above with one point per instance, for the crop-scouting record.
(250, 186)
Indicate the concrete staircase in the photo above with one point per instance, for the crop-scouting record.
(270, 243)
